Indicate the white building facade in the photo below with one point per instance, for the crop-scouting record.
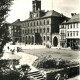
(70, 32)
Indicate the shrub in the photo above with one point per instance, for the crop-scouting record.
(13, 73)
(10, 75)
(52, 63)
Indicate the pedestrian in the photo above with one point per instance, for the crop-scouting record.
(12, 51)
(8, 47)
(17, 49)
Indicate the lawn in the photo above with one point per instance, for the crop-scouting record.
(54, 53)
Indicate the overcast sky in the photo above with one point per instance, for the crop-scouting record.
(21, 8)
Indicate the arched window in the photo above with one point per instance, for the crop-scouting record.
(31, 30)
(40, 30)
(47, 38)
(44, 30)
(55, 41)
(47, 29)
(44, 38)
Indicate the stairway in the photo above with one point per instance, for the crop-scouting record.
(35, 75)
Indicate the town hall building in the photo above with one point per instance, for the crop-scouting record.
(41, 27)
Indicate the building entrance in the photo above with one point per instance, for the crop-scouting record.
(55, 41)
(38, 39)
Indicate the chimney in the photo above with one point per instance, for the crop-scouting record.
(18, 20)
(72, 14)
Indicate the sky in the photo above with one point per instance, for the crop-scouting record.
(21, 8)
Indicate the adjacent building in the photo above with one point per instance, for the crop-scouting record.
(16, 31)
(70, 31)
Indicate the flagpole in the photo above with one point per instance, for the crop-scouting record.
(52, 4)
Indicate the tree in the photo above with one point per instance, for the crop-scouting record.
(4, 33)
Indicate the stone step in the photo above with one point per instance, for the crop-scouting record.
(36, 75)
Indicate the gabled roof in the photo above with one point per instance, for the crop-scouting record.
(17, 22)
(75, 18)
(50, 13)
(53, 13)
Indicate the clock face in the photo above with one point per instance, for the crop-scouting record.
(34, 15)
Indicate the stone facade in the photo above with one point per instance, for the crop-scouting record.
(41, 25)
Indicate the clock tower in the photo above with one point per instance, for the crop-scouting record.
(36, 5)
(36, 9)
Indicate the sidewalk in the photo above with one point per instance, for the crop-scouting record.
(75, 78)
(24, 58)
(27, 59)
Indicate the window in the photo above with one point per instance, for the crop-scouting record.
(40, 30)
(47, 29)
(28, 24)
(23, 38)
(37, 23)
(71, 26)
(25, 31)
(37, 30)
(77, 25)
(44, 38)
(37, 15)
(34, 23)
(47, 38)
(28, 30)
(31, 23)
(77, 33)
(68, 26)
(62, 26)
(44, 22)
(73, 33)
(68, 34)
(31, 30)
(40, 22)
(34, 30)
(47, 21)
(44, 30)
